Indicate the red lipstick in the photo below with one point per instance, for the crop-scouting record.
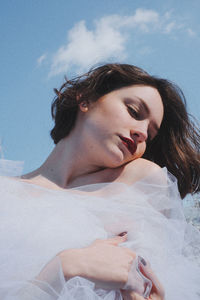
(130, 144)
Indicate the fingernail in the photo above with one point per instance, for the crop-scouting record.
(122, 233)
(142, 260)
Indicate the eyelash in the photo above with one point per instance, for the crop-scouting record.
(135, 115)
(133, 112)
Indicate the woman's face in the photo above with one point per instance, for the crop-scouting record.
(118, 125)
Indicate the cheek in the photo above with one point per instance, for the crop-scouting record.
(96, 127)
(113, 112)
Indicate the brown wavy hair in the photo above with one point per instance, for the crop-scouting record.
(177, 145)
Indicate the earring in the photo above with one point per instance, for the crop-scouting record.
(84, 106)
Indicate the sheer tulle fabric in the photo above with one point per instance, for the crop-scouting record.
(37, 223)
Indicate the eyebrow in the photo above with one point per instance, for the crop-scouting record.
(145, 107)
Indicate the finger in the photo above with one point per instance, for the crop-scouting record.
(157, 286)
(111, 241)
(128, 295)
(122, 233)
(130, 252)
(116, 240)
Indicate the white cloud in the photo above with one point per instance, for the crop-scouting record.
(191, 32)
(86, 47)
(108, 39)
(141, 19)
(169, 27)
(41, 59)
(145, 18)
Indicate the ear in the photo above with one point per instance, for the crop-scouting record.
(83, 106)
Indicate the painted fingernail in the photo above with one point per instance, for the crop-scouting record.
(122, 233)
(142, 260)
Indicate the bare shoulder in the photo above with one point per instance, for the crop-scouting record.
(137, 170)
(143, 163)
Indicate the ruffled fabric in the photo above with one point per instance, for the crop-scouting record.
(37, 223)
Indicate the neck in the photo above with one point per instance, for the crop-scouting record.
(66, 164)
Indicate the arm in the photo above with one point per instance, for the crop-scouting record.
(108, 266)
(104, 263)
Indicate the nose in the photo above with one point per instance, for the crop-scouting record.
(140, 132)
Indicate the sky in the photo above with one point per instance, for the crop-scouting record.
(41, 41)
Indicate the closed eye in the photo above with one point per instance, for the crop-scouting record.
(133, 112)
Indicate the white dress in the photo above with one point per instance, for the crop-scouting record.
(37, 223)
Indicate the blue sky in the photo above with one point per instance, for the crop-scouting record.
(43, 40)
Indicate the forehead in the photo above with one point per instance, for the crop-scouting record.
(148, 92)
(136, 93)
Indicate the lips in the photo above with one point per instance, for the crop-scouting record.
(130, 144)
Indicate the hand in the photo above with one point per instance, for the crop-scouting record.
(127, 295)
(157, 291)
(103, 262)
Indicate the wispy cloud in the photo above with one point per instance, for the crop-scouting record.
(169, 27)
(191, 32)
(108, 39)
(41, 59)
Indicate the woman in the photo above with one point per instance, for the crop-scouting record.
(114, 128)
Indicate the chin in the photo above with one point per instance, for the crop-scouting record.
(116, 157)
(116, 161)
